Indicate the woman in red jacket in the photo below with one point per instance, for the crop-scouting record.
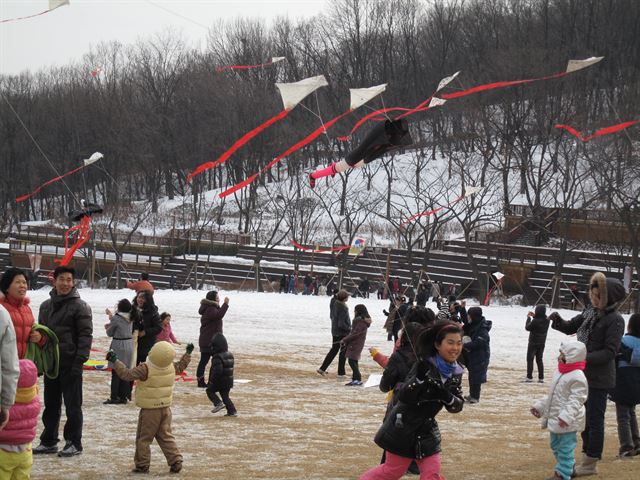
(13, 286)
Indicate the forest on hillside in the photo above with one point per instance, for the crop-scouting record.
(158, 108)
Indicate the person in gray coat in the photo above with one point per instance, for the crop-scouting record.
(119, 329)
(340, 328)
(9, 367)
(600, 327)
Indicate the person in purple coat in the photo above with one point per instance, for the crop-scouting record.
(354, 342)
(210, 323)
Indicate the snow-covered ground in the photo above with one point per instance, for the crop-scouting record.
(294, 424)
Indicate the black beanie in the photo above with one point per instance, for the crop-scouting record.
(124, 306)
(212, 295)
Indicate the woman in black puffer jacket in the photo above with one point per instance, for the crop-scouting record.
(145, 319)
(600, 327)
(410, 431)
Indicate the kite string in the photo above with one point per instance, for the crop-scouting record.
(39, 148)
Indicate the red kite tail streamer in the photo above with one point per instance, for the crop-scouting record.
(418, 108)
(305, 141)
(243, 67)
(598, 133)
(423, 214)
(491, 86)
(302, 247)
(486, 299)
(371, 115)
(84, 233)
(53, 180)
(239, 143)
(431, 212)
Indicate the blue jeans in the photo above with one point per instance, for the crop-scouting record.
(563, 445)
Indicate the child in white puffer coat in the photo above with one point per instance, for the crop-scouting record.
(562, 410)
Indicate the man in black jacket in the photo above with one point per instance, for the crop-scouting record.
(70, 319)
(600, 327)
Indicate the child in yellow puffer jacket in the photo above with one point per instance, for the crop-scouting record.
(154, 395)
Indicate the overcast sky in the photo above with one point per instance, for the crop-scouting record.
(66, 33)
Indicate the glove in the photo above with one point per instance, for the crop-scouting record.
(439, 391)
(111, 356)
(422, 369)
(189, 348)
(555, 319)
(466, 339)
(386, 314)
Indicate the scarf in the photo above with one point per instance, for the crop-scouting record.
(445, 368)
(570, 367)
(47, 357)
(590, 315)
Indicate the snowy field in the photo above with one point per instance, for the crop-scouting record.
(293, 423)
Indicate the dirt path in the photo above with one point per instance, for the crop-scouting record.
(293, 424)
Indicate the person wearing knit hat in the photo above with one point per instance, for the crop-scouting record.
(154, 396)
(600, 327)
(16, 437)
(477, 351)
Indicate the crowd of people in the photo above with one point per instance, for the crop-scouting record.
(432, 352)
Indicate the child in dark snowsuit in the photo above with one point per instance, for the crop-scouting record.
(221, 376)
(537, 325)
(478, 352)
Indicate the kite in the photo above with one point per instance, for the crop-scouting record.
(96, 72)
(85, 163)
(318, 249)
(467, 193)
(83, 231)
(292, 94)
(359, 96)
(249, 67)
(598, 133)
(381, 139)
(572, 66)
(430, 102)
(53, 4)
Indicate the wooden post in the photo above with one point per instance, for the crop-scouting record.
(93, 266)
(387, 273)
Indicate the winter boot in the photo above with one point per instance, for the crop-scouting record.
(201, 383)
(587, 466)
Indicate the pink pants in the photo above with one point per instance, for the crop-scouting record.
(396, 466)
